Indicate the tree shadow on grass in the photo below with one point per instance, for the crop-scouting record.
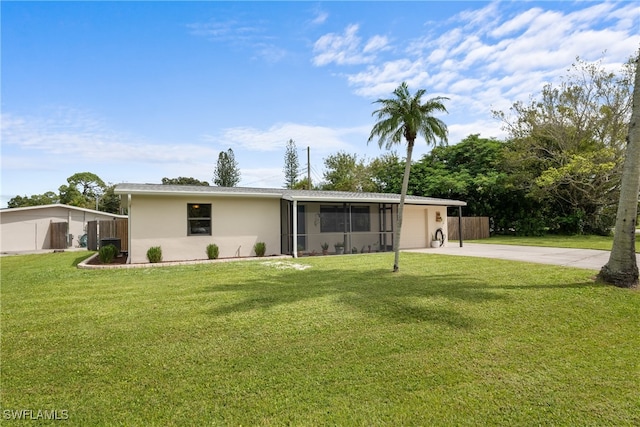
(541, 287)
(398, 298)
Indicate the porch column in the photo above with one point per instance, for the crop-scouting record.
(129, 245)
(460, 224)
(294, 247)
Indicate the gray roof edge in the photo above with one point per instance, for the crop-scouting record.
(282, 193)
(195, 190)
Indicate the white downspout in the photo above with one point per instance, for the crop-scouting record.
(294, 249)
(129, 228)
(68, 228)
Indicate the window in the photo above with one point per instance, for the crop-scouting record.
(333, 219)
(360, 218)
(198, 219)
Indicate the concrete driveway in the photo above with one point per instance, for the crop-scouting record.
(581, 258)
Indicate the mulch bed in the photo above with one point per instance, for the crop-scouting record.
(122, 259)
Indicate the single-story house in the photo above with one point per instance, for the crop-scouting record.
(54, 226)
(184, 220)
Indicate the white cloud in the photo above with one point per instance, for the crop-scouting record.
(320, 18)
(381, 80)
(246, 35)
(78, 136)
(270, 53)
(75, 138)
(486, 128)
(322, 139)
(262, 177)
(346, 48)
(517, 23)
(223, 30)
(376, 43)
(339, 48)
(486, 17)
(492, 57)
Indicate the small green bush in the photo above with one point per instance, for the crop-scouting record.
(107, 253)
(154, 254)
(213, 251)
(260, 248)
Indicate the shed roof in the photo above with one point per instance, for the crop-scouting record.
(59, 205)
(280, 193)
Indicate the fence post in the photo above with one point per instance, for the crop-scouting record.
(460, 224)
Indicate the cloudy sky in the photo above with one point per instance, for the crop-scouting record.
(138, 91)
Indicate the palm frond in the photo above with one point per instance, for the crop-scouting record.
(407, 116)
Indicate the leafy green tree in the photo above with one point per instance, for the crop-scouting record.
(291, 165)
(227, 172)
(407, 116)
(48, 198)
(181, 180)
(567, 146)
(303, 184)
(472, 170)
(622, 267)
(345, 172)
(386, 173)
(110, 201)
(83, 189)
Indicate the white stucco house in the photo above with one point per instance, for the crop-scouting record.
(54, 226)
(184, 220)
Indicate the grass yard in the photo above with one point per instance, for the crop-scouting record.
(557, 241)
(447, 341)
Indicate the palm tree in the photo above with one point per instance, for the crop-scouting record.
(622, 268)
(407, 116)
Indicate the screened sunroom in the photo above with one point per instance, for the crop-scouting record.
(317, 222)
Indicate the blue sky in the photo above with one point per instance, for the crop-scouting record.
(138, 91)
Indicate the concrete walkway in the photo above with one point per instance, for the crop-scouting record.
(581, 258)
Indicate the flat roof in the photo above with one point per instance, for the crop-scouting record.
(280, 193)
(59, 205)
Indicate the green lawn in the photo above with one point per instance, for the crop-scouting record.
(447, 341)
(557, 241)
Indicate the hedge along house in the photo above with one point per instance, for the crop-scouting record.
(184, 220)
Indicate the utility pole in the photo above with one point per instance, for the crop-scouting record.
(309, 167)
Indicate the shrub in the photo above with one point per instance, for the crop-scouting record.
(260, 248)
(213, 251)
(154, 254)
(107, 253)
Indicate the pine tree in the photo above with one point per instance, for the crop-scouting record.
(227, 172)
(291, 165)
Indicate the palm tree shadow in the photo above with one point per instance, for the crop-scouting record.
(401, 299)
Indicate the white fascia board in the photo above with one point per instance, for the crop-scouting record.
(328, 199)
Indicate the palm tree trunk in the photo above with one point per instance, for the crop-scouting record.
(622, 268)
(403, 195)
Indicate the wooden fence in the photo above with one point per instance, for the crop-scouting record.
(473, 227)
(117, 228)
